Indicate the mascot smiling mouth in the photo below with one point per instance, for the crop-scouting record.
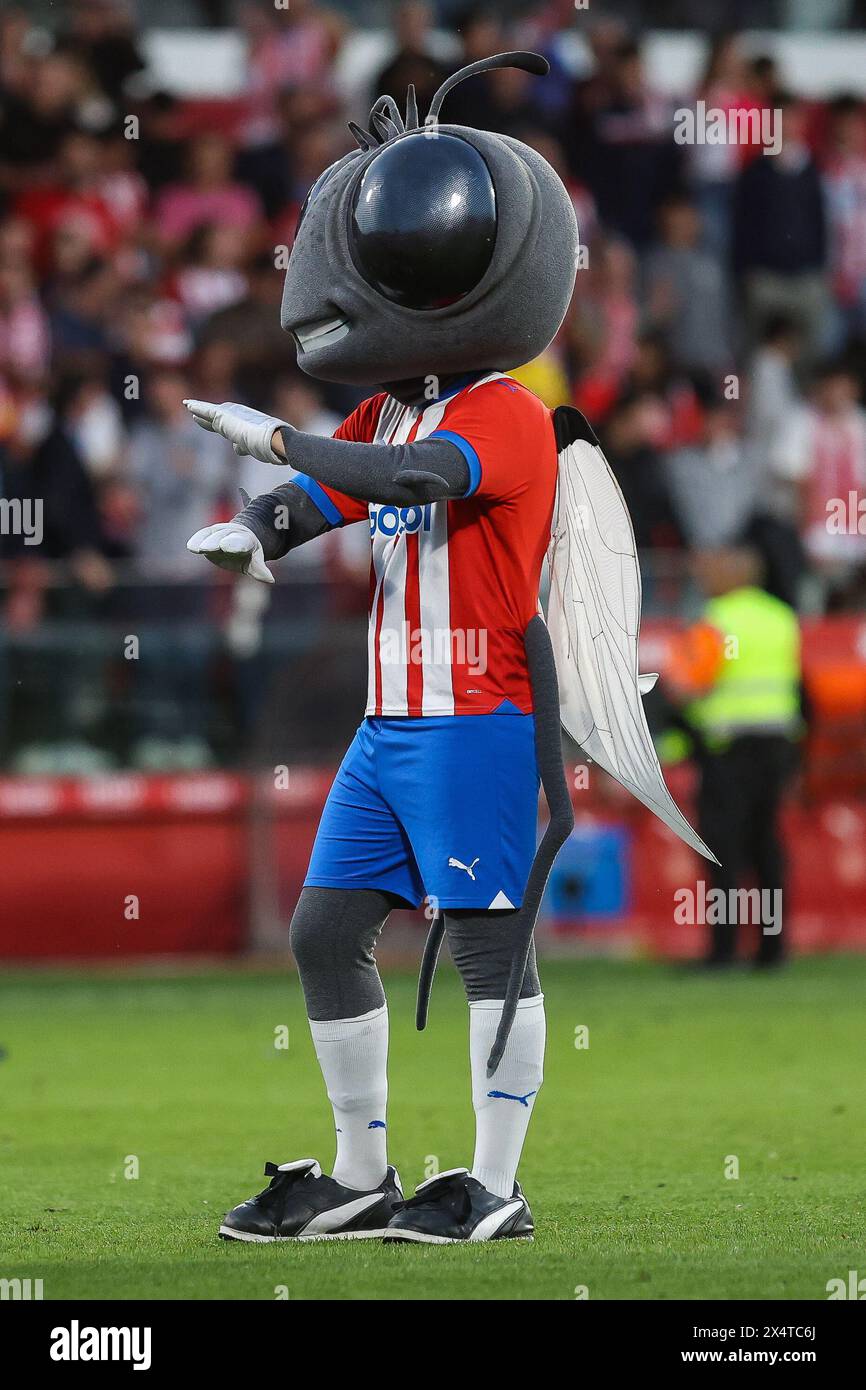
(320, 333)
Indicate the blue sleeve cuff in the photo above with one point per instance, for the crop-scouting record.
(473, 462)
(318, 495)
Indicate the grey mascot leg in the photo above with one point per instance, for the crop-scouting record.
(482, 946)
(333, 935)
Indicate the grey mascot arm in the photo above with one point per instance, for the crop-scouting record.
(402, 475)
(283, 519)
(429, 470)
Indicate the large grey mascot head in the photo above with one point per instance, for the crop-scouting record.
(430, 250)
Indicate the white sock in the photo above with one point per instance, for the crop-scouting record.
(501, 1122)
(353, 1055)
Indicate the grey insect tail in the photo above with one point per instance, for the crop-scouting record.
(432, 947)
(548, 752)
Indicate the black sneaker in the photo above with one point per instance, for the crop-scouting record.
(300, 1203)
(454, 1206)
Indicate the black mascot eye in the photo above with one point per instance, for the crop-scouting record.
(423, 221)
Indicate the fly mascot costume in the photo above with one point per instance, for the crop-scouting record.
(427, 263)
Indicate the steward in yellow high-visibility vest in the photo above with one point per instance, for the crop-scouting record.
(756, 689)
(737, 674)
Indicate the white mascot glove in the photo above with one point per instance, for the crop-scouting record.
(233, 547)
(249, 431)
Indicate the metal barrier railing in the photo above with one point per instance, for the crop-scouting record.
(174, 671)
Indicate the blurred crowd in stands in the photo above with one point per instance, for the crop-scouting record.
(716, 340)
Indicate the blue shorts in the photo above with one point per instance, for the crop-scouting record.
(444, 807)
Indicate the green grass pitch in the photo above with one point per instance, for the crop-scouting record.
(625, 1166)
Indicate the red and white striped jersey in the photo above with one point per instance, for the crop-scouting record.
(454, 584)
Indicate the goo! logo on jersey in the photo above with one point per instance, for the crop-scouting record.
(393, 521)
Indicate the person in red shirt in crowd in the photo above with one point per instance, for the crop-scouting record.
(73, 196)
